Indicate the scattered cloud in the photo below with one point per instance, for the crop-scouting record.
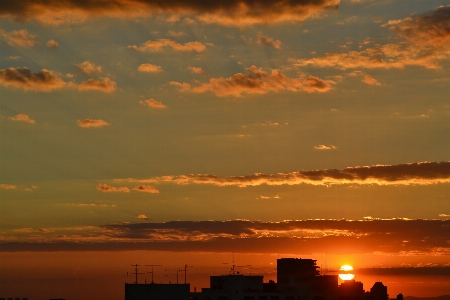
(175, 33)
(87, 123)
(7, 186)
(269, 42)
(257, 82)
(105, 85)
(89, 68)
(44, 81)
(149, 68)
(370, 80)
(106, 188)
(23, 118)
(146, 189)
(197, 70)
(52, 44)
(14, 57)
(324, 147)
(160, 44)
(152, 103)
(142, 217)
(230, 13)
(419, 173)
(426, 42)
(19, 38)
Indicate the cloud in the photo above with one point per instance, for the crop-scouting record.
(105, 85)
(228, 13)
(152, 103)
(86, 123)
(197, 70)
(106, 188)
(426, 42)
(89, 68)
(23, 118)
(257, 82)
(7, 186)
(44, 81)
(149, 68)
(52, 44)
(142, 217)
(419, 173)
(146, 189)
(370, 80)
(175, 33)
(269, 42)
(324, 147)
(159, 45)
(19, 38)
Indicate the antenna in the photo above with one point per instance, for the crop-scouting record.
(152, 269)
(136, 272)
(185, 270)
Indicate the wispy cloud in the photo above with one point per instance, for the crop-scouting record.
(146, 189)
(22, 118)
(159, 45)
(23, 78)
(325, 147)
(229, 13)
(152, 103)
(87, 123)
(269, 42)
(107, 188)
(105, 85)
(18, 38)
(421, 173)
(89, 68)
(257, 82)
(142, 217)
(149, 68)
(8, 186)
(52, 44)
(370, 80)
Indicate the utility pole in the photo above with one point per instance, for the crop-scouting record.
(136, 272)
(185, 270)
(152, 269)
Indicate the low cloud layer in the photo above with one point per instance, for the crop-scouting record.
(376, 236)
(228, 13)
(105, 85)
(89, 68)
(87, 123)
(420, 173)
(257, 82)
(149, 68)
(23, 118)
(23, 78)
(19, 38)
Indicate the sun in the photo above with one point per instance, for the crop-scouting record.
(345, 273)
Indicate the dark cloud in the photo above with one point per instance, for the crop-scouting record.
(23, 78)
(420, 173)
(229, 12)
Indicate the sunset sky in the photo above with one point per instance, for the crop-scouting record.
(182, 131)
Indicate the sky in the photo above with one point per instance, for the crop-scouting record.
(206, 133)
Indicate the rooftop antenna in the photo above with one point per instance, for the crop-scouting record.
(136, 272)
(177, 270)
(185, 270)
(152, 269)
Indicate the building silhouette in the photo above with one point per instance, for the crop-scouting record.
(297, 279)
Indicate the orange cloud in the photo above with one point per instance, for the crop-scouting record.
(426, 43)
(419, 173)
(23, 118)
(370, 80)
(142, 217)
(158, 45)
(146, 189)
(86, 123)
(152, 103)
(7, 186)
(89, 68)
(229, 13)
(269, 42)
(18, 38)
(149, 68)
(106, 188)
(43, 81)
(105, 85)
(52, 44)
(197, 70)
(257, 82)
(324, 147)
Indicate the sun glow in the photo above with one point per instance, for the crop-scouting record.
(345, 272)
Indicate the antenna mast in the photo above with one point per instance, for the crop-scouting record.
(136, 272)
(185, 270)
(152, 269)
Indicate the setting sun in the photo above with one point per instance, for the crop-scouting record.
(345, 272)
